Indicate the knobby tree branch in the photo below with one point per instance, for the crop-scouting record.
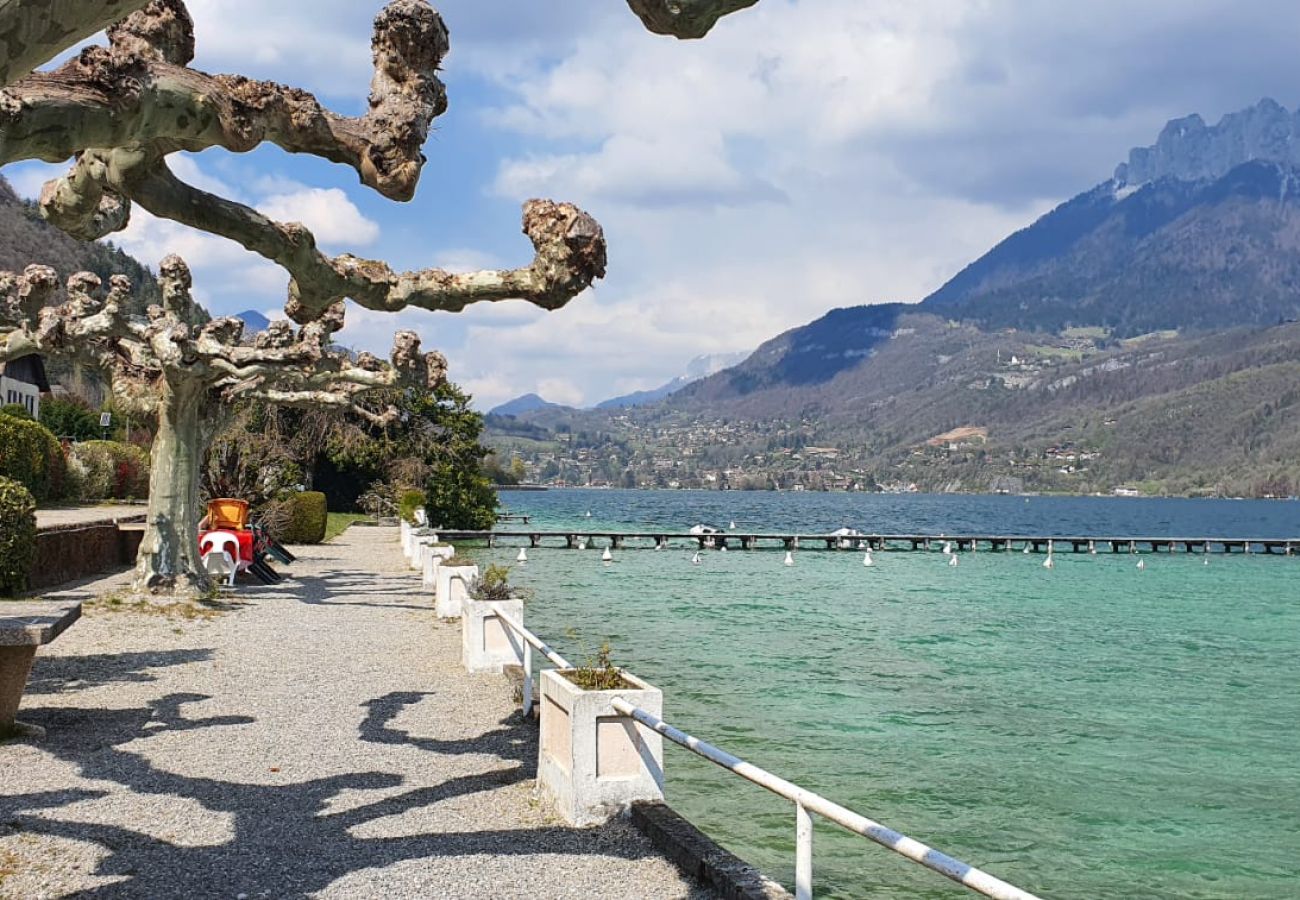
(140, 356)
(32, 32)
(121, 110)
(685, 18)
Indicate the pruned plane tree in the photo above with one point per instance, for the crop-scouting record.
(189, 372)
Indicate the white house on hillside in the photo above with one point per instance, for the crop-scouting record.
(22, 381)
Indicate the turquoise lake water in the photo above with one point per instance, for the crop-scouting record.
(1089, 731)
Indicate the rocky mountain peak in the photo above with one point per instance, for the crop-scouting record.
(1190, 150)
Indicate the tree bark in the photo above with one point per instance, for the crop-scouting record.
(168, 561)
(32, 32)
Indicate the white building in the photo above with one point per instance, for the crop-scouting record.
(22, 381)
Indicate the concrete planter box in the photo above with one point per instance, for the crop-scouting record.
(486, 643)
(433, 557)
(420, 545)
(452, 589)
(593, 762)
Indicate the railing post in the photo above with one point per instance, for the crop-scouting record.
(528, 677)
(803, 832)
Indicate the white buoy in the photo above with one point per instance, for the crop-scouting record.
(789, 558)
(1049, 563)
(1142, 564)
(867, 560)
(733, 525)
(952, 560)
(947, 548)
(523, 556)
(1206, 561)
(588, 514)
(1026, 550)
(607, 556)
(696, 558)
(722, 549)
(1092, 547)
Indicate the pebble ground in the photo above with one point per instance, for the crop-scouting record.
(316, 738)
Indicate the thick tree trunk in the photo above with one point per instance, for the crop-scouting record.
(168, 561)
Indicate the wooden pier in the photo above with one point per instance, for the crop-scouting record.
(971, 543)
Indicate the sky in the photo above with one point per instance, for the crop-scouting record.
(807, 155)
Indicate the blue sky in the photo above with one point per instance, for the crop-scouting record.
(806, 155)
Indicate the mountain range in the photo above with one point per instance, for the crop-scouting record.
(1145, 324)
(697, 368)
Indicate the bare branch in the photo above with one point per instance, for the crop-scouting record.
(32, 32)
(123, 109)
(685, 18)
(139, 94)
(569, 254)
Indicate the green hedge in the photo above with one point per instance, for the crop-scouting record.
(108, 470)
(409, 502)
(32, 456)
(17, 536)
(308, 515)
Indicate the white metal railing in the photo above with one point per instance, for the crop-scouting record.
(531, 641)
(806, 802)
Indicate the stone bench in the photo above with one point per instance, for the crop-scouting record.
(24, 626)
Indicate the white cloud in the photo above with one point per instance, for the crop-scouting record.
(331, 216)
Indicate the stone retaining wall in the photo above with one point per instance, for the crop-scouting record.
(68, 552)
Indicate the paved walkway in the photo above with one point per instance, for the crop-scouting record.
(319, 738)
(83, 515)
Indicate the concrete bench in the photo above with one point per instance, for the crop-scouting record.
(24, 626)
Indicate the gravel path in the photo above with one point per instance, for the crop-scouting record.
(319, 739)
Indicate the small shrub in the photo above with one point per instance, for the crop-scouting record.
(409, 502)
(32, 456)
(109, 470)
(598, 673)
(17, 410)
(493, 586)
(308, 515)
(17, 535)
(459, 562)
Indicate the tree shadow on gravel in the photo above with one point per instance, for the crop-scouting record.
(62, 674)
(287, 840)
(337, 589)
(514, 740)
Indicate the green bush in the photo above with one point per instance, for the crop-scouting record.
(17, 410)
(70, 418)
(32, 456)
(17, 535)
(108, 470)
(409, 502)
(308, 515)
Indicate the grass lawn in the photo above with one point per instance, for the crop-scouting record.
(338, 522)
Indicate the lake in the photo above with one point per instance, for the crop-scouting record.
(1088, 731)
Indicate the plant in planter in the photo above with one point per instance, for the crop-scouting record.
(494, 586)
(488, 644)
(593, 761)
(599, 672)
